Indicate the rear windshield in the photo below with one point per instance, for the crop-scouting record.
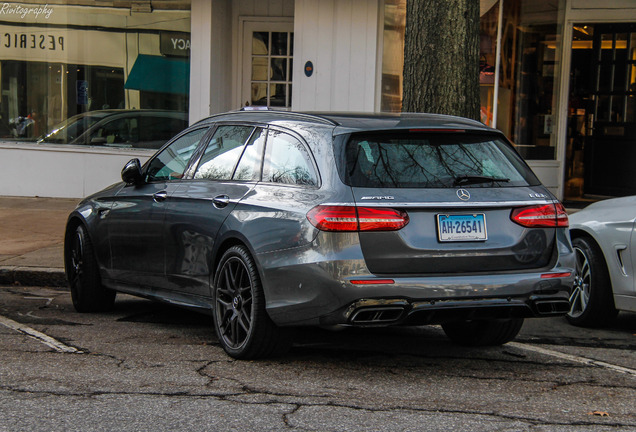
(433, 160)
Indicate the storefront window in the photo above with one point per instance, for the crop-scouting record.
(527, 84)
(61, 60)
(393, 55)
(528, 81)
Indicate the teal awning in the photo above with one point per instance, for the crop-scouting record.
(159, 74)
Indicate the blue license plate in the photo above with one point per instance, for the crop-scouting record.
(468, 227)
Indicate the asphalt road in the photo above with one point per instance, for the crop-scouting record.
(150, 367)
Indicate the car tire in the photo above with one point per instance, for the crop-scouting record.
(82, 271)
(483, 332)
(591, 300)
(241, 322)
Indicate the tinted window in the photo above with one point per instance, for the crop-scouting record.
(172, 161)
(223, 152)
(417, 160)
(249, 168)
(287, 161)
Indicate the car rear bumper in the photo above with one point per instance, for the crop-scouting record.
(310, 295)
(332, 285)
(383, 312)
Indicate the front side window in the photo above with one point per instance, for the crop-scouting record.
(223, 152)
(409, 160)
(287, 161)
(171, 162)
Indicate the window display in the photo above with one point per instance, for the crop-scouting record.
(61, 60)
(527, 85)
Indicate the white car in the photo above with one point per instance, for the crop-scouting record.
(605, 246)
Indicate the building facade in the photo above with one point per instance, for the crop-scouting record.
(558, 77)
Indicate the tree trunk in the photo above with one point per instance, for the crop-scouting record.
(441, 57)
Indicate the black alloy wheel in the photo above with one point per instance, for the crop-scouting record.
(82, 272)
(240, 319)
(591, 299)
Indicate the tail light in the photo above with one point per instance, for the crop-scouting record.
(541, 216)
(351, 218)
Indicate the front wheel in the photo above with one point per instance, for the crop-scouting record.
(82, 271)
(591, 300)
(483, 332)
(240, 319)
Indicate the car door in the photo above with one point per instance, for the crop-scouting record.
(135, 222)
(197, 209)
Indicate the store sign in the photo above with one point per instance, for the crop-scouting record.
(70, 46)
(175, 44)
(33, 41)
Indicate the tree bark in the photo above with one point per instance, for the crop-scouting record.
(441, 57)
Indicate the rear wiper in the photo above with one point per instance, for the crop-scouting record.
(475, 179)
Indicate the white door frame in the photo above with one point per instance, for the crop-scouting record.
(243, 68)
(574, 16)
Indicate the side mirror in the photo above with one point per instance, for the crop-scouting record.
(132, 173)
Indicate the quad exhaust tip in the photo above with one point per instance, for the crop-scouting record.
(552, 307)
(378, 315)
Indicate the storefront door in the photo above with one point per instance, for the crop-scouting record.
(601, 149)
(267, 64)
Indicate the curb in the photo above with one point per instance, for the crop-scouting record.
(33, 276)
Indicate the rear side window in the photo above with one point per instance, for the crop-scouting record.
(287, 161)
(433, 160)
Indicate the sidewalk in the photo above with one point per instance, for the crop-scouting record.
(32, 240)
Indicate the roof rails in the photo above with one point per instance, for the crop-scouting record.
(253, 111)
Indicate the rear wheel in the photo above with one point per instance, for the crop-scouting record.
(483, 332)
(591, 300)
(240, 319)
(82, 271)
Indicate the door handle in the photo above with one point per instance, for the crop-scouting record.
(221, 201)
(160, 196)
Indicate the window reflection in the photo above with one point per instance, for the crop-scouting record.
(271, 69)
(287, 161)
(530, 40)
(171, 162)
(222, 153)
(85, 57)
(432, 161)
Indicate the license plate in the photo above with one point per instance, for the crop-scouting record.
(469, 227)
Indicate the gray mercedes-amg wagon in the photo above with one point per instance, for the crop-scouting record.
(277, 220)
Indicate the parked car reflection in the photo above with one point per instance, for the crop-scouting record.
(118, 128)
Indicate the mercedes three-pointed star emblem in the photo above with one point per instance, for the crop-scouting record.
(463, 194)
